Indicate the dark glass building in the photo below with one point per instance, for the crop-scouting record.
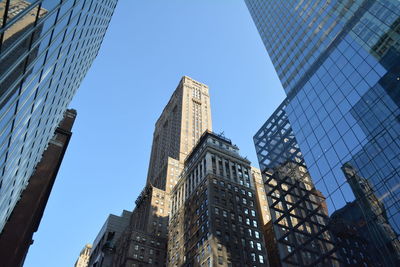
(46, 48)
(339, 63)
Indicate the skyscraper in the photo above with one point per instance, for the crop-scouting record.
(185, 117)
(183, 120)
(298, 234)
(46, 48)
(339, 63)
(214, 219)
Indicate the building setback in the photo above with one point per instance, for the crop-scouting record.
(338, 62)
(104, 246)
(46, 49)
(144, 241)
(214, 215)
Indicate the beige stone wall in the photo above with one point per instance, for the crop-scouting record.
(261, 195)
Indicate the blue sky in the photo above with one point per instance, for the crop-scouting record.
(149, 46)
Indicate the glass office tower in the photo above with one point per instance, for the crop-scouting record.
(46, 48)
(339, 63)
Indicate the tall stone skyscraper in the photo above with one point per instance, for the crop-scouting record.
(339, 63)
(181, 124)
(183, 120)
(46, 49)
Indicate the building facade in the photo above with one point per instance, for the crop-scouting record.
(144, 241)
(104, 246)
(180, 125)
(83, 259)
(338, 62)
(46, 48)
(214, 217)
(17, 234)
(299, 233)
(185, 117)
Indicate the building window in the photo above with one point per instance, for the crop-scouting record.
(261, 258)
(247, 221)
(246, 211)
(216, 210)
(253, 213)
(253, 256)
(251, 244)
(256, 234)
(258, 246)
(254, 223)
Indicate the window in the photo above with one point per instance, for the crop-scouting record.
(136, 247)
(224, 213)
(258, 246)
(253, 213)
(240, 218)
(220, 260)
(150, 260)
(251, 244)
(247, 221)
(256, 234)
(253, 256)
(219, 246)
(246, 211)
(244, 201)
(254, 223)
(261, 258)
(249, 194)
(151, 252)
(249, 231)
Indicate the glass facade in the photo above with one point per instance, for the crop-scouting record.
(339, 62)
(46, 48)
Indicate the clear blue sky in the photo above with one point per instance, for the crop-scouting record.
(148, 47)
